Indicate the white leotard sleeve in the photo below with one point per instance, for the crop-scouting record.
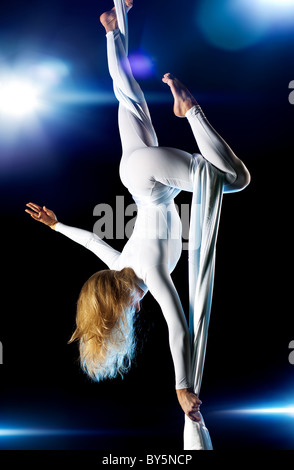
(92, 242)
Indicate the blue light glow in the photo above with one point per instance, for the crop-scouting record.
(286, 410)
(229, 24)
(21, 432)
(50, 72)
(40, 432)
(142, 65)
(274, 12)
(234, 25)
(96, 98)
(261, 410)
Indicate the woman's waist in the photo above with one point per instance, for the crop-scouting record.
(159, 196)
(158, 222)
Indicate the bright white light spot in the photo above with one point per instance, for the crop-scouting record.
(280, 2)
(18, 98)
(275, 9)
(285, 410)
(276, 4)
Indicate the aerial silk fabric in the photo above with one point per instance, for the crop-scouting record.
(204, 222)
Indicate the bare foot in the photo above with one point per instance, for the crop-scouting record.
(190, 403)
(109, 20)
(183, 98)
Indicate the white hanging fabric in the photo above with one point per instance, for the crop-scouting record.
(204, 221)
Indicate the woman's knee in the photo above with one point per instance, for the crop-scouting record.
(242, 180)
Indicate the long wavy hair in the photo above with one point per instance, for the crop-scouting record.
(105, 323)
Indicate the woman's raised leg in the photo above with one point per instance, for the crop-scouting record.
(211, 145)
(136, 129)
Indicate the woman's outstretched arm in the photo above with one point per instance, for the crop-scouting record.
(89, 240)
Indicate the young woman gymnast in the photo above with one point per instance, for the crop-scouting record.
(154, 175)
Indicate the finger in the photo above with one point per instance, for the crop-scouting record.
(33, 206)
(33, 214)
(195, 417)
(195, 407)
(196, 402)
(195, 411)
(30, 212)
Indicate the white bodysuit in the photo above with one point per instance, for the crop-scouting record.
(154, 176)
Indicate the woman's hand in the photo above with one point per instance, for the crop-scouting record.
(190, 403)
(42, 214)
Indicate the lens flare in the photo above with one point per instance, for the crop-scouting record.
(278, 3)
(234, 25)
(142, 65)
(50, 73)
(18, 98)
(286, 410)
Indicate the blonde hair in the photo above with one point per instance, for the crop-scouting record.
(105, 323)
